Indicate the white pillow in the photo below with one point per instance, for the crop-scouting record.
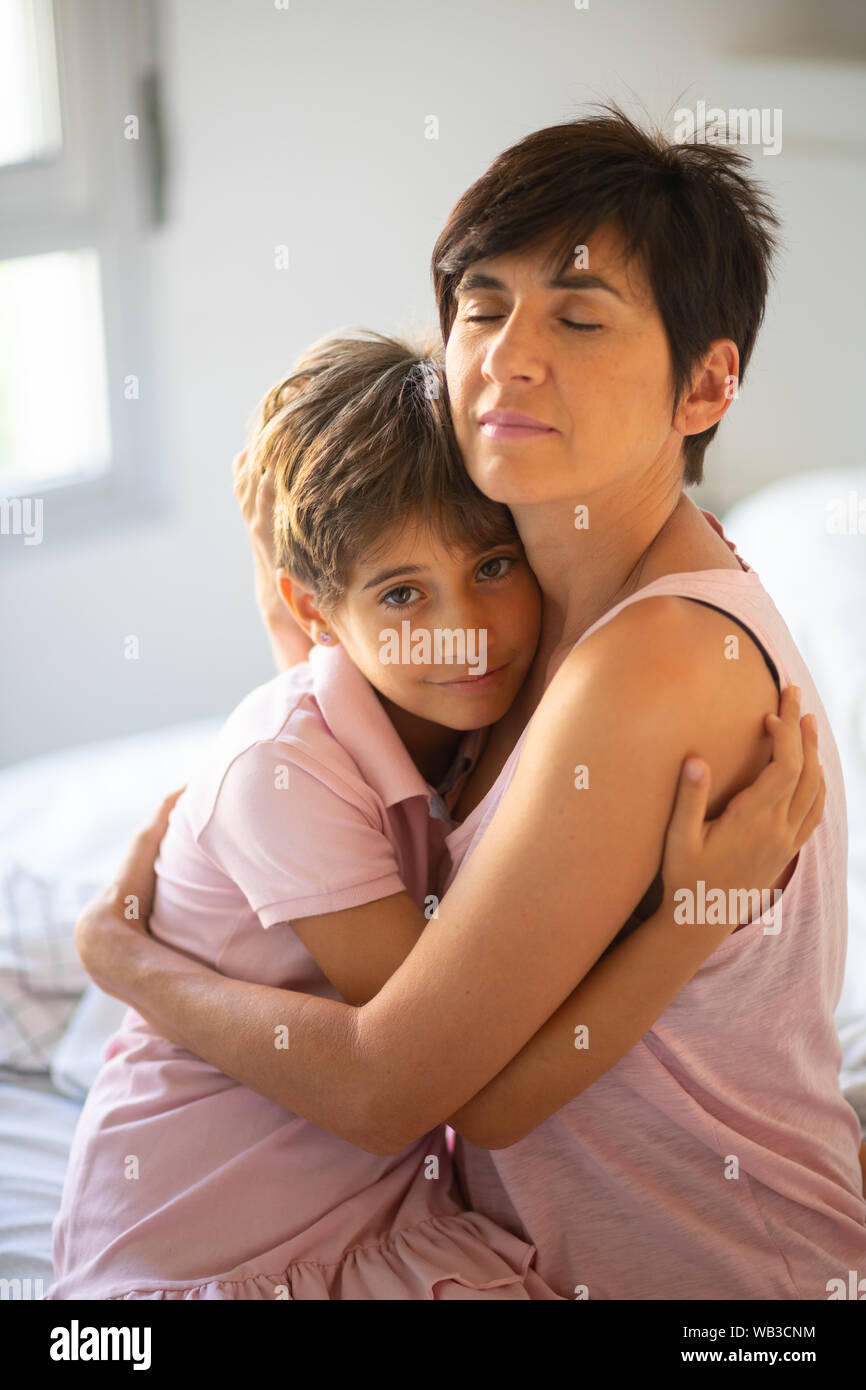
(41, 977)
(66, 819)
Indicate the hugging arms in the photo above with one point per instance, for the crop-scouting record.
(474, 1018)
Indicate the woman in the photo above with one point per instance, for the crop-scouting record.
(599, 294)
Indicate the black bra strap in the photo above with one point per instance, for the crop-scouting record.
(769, 664)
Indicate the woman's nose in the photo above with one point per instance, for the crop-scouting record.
(516, 352)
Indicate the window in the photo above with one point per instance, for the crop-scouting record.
(80, 176)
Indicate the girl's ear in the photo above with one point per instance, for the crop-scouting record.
(285, 584)
(299, 599)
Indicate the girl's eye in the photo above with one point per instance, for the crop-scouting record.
(500, 561)
(481, 318)
(581, 327)
(401, 601)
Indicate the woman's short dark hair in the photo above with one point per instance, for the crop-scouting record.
(703, 228)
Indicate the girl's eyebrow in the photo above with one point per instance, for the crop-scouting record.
(390, 573)
(566, 280)
(383, 575)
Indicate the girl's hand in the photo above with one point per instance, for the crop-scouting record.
(124, 907)
(254, 490)
(761, 829)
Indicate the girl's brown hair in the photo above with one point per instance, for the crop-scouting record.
(704, 231)
(360, 439)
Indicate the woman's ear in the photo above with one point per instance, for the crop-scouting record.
(714, 386)
(302, 604)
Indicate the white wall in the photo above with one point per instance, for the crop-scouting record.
(306, 127)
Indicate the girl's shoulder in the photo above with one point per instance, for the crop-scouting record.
(276, 736)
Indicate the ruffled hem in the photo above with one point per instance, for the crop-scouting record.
(445, 1258)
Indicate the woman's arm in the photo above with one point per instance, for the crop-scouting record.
(617, 1003)
(633, 983)
(255, 493)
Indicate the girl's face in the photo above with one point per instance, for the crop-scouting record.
(447, 636)
(584, 356)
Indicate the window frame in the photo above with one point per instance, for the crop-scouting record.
(101, 192)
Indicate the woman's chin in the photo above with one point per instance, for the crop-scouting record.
(506, 480)
(519, 480)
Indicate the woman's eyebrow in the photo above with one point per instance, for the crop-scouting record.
(567, 280)
(583, 280)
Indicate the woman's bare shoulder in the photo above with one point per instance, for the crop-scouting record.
(688, 676)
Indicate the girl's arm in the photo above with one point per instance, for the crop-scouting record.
(617, 1003)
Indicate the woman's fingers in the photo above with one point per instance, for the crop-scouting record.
(242, 477)
(265, 498)
(159, 824)
(254, 490)
(135, 877)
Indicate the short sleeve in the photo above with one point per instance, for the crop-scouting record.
(298, 840)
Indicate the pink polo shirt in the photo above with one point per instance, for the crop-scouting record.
(718, 1158)
(182, 1183)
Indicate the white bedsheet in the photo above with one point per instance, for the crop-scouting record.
(35, 1134)
(65, 820)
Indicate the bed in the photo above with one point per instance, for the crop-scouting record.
(65, 819)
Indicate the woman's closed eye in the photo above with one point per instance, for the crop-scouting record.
(567, 323)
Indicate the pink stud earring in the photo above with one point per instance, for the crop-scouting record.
(324, 636)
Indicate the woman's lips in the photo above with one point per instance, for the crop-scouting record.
(512, 424)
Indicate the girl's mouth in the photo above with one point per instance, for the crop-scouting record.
(475, 685)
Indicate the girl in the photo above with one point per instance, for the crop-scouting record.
(304, 855)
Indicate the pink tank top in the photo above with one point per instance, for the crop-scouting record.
(718, 1158)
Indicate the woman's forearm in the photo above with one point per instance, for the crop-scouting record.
(297, 1050)
(603, 1019)
(308, 1055)
(383, 1074)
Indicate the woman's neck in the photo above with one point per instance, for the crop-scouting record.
(583, 573)
(625, 554)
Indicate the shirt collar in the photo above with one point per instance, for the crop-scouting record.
(358, 721)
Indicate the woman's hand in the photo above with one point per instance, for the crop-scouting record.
(761, 829)
(122, 910)
(254, 490)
